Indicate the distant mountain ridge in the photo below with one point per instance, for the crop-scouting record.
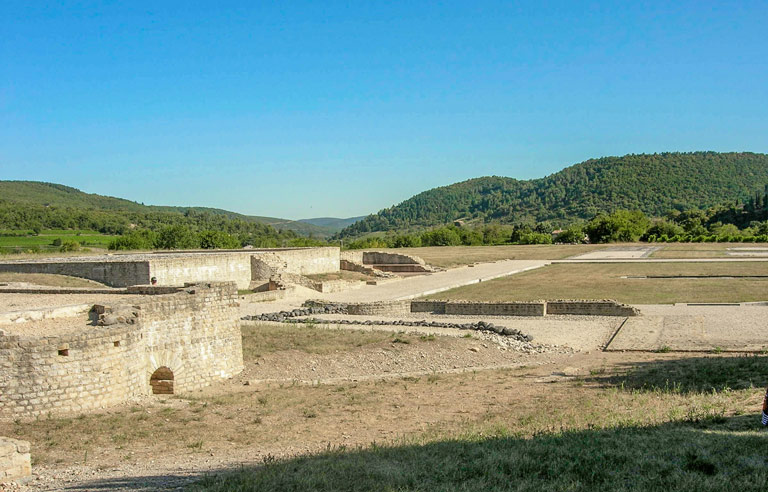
(332, 224)
(52, 194)
(653, 183)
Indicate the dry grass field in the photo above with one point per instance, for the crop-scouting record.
(697, 250)
(453, 256)
(684, 421)
(49, 280)
(604, 281)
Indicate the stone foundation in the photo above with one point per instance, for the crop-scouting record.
(15, 460)
(535, 308)
(194, 334)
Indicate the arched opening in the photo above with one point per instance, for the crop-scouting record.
(162, 381)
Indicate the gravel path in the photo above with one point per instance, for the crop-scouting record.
(684, 327)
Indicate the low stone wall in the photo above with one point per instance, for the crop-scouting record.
(15, 459)
(536, 308)
(591, 308)
(386, 258)
(360, 268)
(384, 307)
(194, 333)
(435, 307)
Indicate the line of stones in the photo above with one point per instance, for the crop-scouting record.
(297, 316)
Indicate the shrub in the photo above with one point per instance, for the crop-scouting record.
(145, 239)
(69, 245)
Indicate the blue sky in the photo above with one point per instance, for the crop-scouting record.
(303, 109)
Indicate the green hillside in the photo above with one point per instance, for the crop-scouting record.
(653, 183)
(55, 195)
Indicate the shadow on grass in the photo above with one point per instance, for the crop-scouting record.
(727, 454)
(690, 375)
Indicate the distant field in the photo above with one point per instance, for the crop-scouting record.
(453, 256)
(10, 243)
(603, 281)
(699, 250)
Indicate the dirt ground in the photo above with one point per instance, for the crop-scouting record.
(166, 442)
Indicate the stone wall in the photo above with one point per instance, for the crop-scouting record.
(535, 308)
(302, 261)
(177, 268)
(383, 307)
(210, 267)
(435, 307)
(591, 308)
(112, 273)
(15, 459)
(385, 258)
(195, 333)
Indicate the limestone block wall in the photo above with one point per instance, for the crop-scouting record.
(591, 308)
(385, 258)
(207, 267)
(436, 307)
(383, 307)
(195, 333)
(70, 373)
(352, 256)
(535, 308)
(112, 273)
(15, 459)
(299, 261)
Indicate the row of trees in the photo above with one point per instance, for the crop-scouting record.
(150, 229)
(619, 226)
(183, 237)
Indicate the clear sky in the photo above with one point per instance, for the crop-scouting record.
(322, 108)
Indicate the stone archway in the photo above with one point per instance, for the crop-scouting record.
(161, 381)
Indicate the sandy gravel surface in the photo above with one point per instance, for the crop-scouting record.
(582, 333)
(698, 328)
(25, 302)
(618, 252)
(49, 327)
(411, 287)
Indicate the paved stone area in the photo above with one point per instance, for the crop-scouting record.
(619, 252)
(683, 327)
(412, 287)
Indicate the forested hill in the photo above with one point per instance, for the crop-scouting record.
(653, 183)
(35, 193)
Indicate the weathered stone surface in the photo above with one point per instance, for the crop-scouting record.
(195, 333)
(15, 460)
